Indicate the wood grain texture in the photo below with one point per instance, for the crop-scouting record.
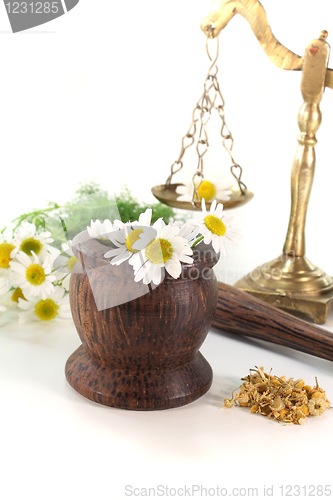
(140, 345)
(240, 313)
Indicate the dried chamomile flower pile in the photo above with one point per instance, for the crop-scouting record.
(289, 401)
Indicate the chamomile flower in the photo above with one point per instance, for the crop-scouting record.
(128, 241)
(4, 288)
(317, 406)
(29, 241)
(215, 227)
(63, 265)
(130, 237)
(32, 274)
(165, 252)
(6, 247)
(54, 307)
(206, 190)
(100, 229)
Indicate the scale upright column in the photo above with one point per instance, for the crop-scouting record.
(309, 120)
(292, 281)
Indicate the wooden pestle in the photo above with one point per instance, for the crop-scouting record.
(241, 313)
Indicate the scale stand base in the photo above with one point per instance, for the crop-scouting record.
(291, 283)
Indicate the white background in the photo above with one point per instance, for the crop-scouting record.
(106, 93)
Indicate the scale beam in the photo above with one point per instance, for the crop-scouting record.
(222, 11)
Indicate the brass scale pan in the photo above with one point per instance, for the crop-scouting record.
(168, 196)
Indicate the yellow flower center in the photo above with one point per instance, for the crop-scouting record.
(215, 225)
(71, 262)
(206, 190)
(31, 245)
(18, 294)
(35, 274)
(132, 238)
(5, 251)
(159, 251)
(46, 309)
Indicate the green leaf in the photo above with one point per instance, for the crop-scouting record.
(89, 202)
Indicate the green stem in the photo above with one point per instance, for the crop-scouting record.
(197, 241)
(44, 212)
(37, 212)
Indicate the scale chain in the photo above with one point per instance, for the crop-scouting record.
(189, 135)
(204, 107)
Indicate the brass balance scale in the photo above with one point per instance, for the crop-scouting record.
(291, 281)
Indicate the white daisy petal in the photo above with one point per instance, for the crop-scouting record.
(23, 259)
(137, 260)
(142, 271)
(24, 304)
(47, 266)
(67, 248)
(113, 252)
(63, 303)
(234, 235)
(174, 268)
(64, 315)
(208, 237)
(231, 242)
(216, 243)
(66, 281)
(118, 238)
(157, 278)
(17, 267)
(60, 261)
(222, 248)
(213, 206)
(219, 210)
(159, 224)
(100, 230)
(118, 224)
(145, 218)
(58, 294)
(188, 232)
(16, 279)
(120, 259)
(186, 259)
(223, 194)
(146, 279)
